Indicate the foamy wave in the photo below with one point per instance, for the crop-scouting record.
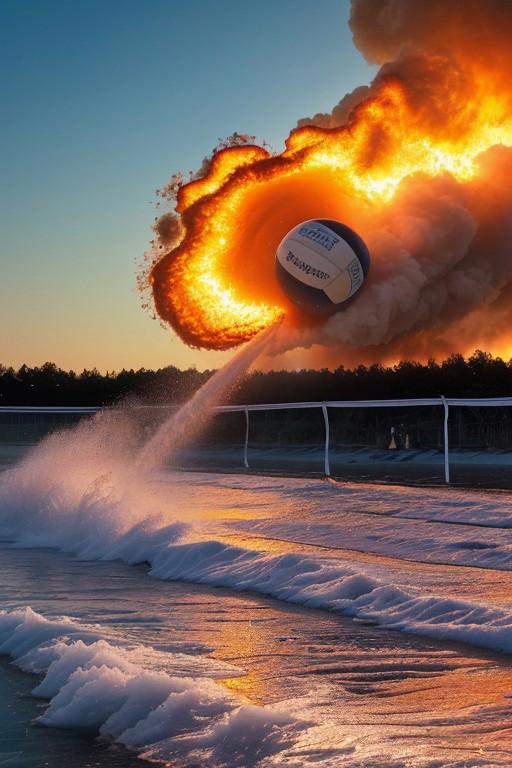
(324, 583)
(58, 497)
(94, 685)
(99, 686)
(100, 524)
(76, 493)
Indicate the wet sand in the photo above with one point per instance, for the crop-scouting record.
(375, 694)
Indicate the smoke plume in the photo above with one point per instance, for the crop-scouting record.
(418, 162)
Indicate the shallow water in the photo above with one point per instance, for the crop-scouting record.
(241, 671)
(373, 694)
(23, 744)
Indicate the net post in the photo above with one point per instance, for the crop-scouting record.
(246, 442)
(446, 444)
(327, 469)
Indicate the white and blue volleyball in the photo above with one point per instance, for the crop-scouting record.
(321, 264)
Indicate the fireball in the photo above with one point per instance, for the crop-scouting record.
(417, 164)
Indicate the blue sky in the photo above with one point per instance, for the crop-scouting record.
(103, 101)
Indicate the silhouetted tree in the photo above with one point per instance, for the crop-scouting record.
(480, 375)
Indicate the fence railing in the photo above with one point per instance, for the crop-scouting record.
(324, 406)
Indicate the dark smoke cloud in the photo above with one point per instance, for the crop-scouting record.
(437, 49)
(441, 277)
(474, 30)
(341, 111)
(168, 229)
(441, 254)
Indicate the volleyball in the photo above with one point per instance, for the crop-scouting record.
(321, 264)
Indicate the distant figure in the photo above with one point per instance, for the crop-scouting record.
(392, 445)
(400, 437)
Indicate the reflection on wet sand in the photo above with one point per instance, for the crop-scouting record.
(371, 696)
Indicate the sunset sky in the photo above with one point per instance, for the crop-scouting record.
(103, 102)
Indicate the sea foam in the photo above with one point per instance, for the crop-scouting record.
(95, 685)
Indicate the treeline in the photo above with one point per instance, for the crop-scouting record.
(50, 385)
(480, 375)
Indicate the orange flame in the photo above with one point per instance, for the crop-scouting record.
(217, 287)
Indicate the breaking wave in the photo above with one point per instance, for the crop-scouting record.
(77, 512)
(77, 492)
(95, 685)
